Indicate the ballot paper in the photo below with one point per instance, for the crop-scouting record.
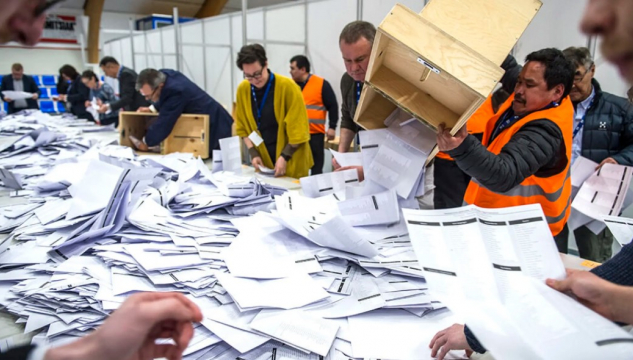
(17, 95)
(348, 158)
(489, 265)
(329, 183)
(602, 194)
(217, 161)
(621, 228)
(231, 154)
(581, 170)
(10, 179)
(397, 165)
(376, 209)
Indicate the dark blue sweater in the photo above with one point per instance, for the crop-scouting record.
(181, 96)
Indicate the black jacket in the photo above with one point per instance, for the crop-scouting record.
(77, 95)
(29, 86)
(181, 96)
(608, 129)
(130, 99)
(348, 107)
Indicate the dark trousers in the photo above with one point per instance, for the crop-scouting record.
(562, 240)
(450, 184)
(316, 145)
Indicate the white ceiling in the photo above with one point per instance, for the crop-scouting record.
(185, 7)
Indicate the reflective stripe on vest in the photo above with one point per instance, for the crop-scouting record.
(312, 96)
(553, 193)
(476, 123)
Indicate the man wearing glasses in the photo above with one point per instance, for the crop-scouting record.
(602, 132)
(271, 117)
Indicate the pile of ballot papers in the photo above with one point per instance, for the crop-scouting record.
(329, 271)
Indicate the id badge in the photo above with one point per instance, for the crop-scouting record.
(255, 138)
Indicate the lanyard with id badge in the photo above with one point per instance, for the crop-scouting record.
(254, 136)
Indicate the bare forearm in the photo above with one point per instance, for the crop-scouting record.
(346, 138)
(622, 299)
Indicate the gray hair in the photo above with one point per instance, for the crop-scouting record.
(579, 56)
(353, 31)
(151, 77)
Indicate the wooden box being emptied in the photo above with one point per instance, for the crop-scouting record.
(190, 134)
(440, 65)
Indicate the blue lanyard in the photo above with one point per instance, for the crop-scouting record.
(582, 121)
(260, 108)
(358, 89)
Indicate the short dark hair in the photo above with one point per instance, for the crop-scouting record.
(353, 31)
(579, 56)
(302, 62)
(558, 70)
(69, 71)
(89, 74)
(108, 60)
(151, 77)
(251, 53)
(17, 67)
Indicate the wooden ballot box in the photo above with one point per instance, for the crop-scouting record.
(440, 65)
(190, 134)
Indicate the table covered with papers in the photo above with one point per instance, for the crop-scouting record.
(334, 271)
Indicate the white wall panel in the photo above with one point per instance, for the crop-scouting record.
(279, 57)
(288, 23)
(153, 42)
(193, 64)
(218, 67)
(217, 31)
(139, 44)
(155, 61)
(169, 62)
(323, 49)
(140, 63)
(115, 50)
(126, 52)
(192, 32)
(236, 25)
(169, 40)
(255, 25)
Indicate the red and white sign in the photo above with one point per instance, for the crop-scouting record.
(60, 29)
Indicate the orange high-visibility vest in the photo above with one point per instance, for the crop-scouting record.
(312, 96)
(476, 123)
(552, 192)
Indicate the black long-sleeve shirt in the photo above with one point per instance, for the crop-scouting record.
(329, 101)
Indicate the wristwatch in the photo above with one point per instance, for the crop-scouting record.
(286, 156)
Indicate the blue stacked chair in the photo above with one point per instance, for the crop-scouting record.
(37, 80)
(44, 94)
(54, 92)
(6, 107)
(61, 108)
(49, 80)
(47, 106)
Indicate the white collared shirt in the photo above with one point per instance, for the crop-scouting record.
(581, 110)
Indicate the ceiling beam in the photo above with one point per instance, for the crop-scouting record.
(211, 8)
(93, 9)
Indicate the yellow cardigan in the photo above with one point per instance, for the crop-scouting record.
(292, 116)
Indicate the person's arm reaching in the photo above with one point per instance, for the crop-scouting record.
(127, 89)
(329, 100)
(132, 330)
(82, 95)
(172, 107)
(256, 158)
(534, 146)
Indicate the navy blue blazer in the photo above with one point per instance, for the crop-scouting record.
(181, 96)
(29, 86)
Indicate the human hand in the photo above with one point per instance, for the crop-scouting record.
(280, 167)
(590, 290)
(608, 160)
(257, 162)
(103, 109)
(87, 104)
(7, 99)
(335, 164)
(138, 144)
(131, 331)
(446, 141)
(359, 170)
(452, 338)
(144, 109)
(35, 96)
(99, 102)
(331, 134)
